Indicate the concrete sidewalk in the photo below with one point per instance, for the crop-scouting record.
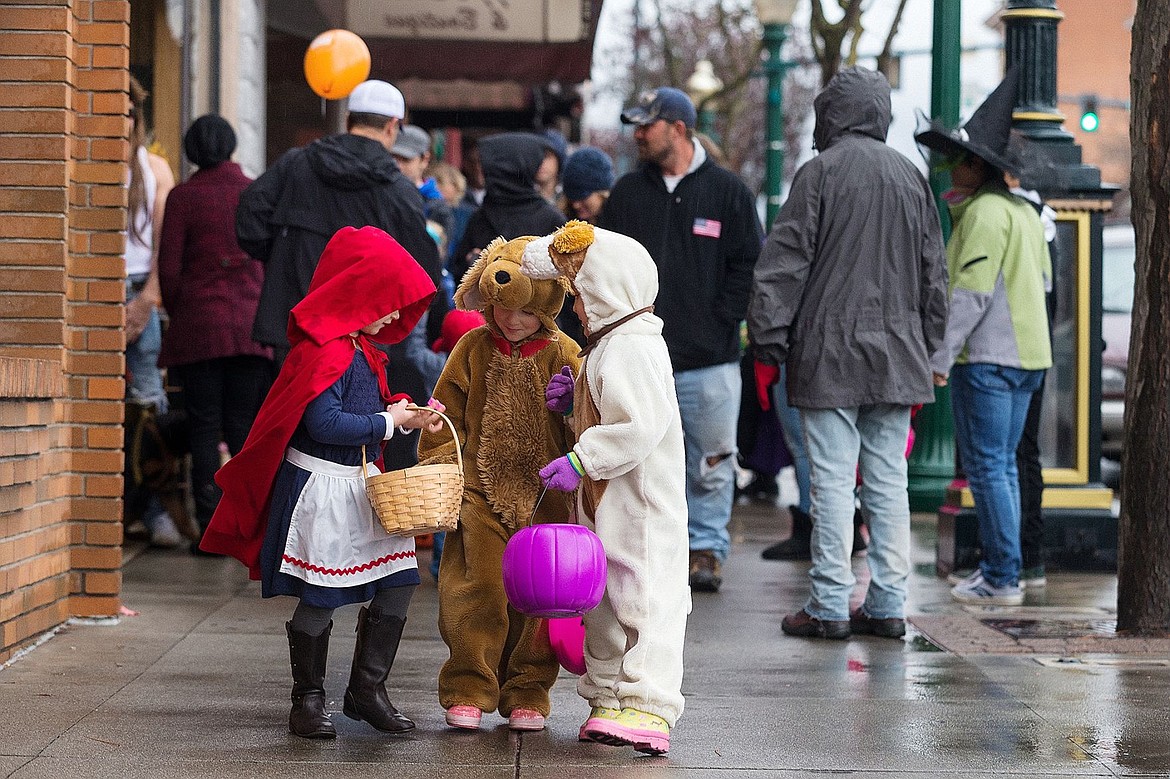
(197, 685)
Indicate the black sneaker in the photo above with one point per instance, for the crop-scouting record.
(705, 575)
(789, 549)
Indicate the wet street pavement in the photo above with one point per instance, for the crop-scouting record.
(197, 685)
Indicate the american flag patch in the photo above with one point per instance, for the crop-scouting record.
(708, 227)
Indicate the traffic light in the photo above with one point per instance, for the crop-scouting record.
(1090, 121)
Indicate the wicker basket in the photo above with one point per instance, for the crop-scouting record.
(419, 500)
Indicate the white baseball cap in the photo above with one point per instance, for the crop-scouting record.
(377, 97)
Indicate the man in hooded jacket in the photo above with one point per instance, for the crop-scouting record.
(850, 293)
(286, 216)
(512, 205)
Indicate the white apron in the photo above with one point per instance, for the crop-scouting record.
(334, 539)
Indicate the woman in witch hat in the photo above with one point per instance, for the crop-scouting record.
(997, 346)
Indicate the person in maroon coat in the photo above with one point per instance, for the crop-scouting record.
(210, 288)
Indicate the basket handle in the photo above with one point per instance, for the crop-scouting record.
(450, 426)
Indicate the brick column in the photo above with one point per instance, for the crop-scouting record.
(95, 364)
(63, 130)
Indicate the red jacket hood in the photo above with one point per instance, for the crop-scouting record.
(362, 276)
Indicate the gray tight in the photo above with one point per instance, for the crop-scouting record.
(312, 620)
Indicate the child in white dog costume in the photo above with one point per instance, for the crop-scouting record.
(630, 464)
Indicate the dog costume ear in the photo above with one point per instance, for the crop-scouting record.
(560, 254)
(468, 297)
(569, 245)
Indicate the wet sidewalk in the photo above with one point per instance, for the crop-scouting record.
(197, 685)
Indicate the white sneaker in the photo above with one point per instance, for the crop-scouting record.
(965, 577)
(983, 593)
(1033, 577)
(163, 532)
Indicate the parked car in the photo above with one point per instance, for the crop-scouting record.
(1117, 283)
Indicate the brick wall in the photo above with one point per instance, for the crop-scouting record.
(63, 131)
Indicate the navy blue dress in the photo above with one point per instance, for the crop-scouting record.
(342, 418)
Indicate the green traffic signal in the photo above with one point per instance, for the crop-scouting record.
(1090, 121)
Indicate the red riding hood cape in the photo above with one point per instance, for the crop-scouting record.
(362, 276)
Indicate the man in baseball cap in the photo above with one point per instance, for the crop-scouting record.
(288, 214)
(698, 221)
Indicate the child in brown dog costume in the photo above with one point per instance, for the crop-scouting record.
(493, 387)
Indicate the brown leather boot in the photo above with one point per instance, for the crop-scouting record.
(307, 654)
(365, 698)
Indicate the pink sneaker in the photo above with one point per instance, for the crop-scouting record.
(645, 732)
(465, 717)
(526, 719)
(596, 714)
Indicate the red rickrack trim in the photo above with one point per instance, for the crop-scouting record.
(346, 571)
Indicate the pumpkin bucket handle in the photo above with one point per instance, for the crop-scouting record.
(535, 506)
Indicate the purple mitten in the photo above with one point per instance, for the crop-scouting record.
(562, 473)
(558, 395)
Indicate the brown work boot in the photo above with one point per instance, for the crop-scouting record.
(805, 625)
(863, 624)
(706, 575)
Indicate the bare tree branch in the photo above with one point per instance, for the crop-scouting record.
(832, 35)
(886, 57)
(669, 61)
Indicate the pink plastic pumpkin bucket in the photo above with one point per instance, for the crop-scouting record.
(554, 570)
(567, 637)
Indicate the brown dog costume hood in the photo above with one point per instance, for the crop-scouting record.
(495, 280)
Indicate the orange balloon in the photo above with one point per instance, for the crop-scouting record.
(336, 62)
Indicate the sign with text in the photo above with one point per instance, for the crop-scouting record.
(515, 21)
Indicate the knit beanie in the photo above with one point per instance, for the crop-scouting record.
(209, 141)
(588, 170)
(558, 144)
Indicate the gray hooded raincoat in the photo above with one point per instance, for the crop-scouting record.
(850, 290)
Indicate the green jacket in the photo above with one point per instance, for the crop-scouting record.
(999, 270)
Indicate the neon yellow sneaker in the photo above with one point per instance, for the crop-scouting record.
(645, 732)
(597, 716)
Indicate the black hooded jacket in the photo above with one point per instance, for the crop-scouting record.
(511, 205)
(286, 217)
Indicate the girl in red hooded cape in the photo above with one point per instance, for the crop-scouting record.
(294, 508)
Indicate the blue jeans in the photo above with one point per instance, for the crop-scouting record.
(838, 441)
(145, 383)
(708, 400)
(990, 406)
(793, 438)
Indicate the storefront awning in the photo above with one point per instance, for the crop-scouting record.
(526, 42)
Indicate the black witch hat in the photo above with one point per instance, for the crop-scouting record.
(986, 133)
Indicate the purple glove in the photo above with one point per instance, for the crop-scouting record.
(558, 395)
(563, 473)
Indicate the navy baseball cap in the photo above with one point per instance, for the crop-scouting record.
(667, 103)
